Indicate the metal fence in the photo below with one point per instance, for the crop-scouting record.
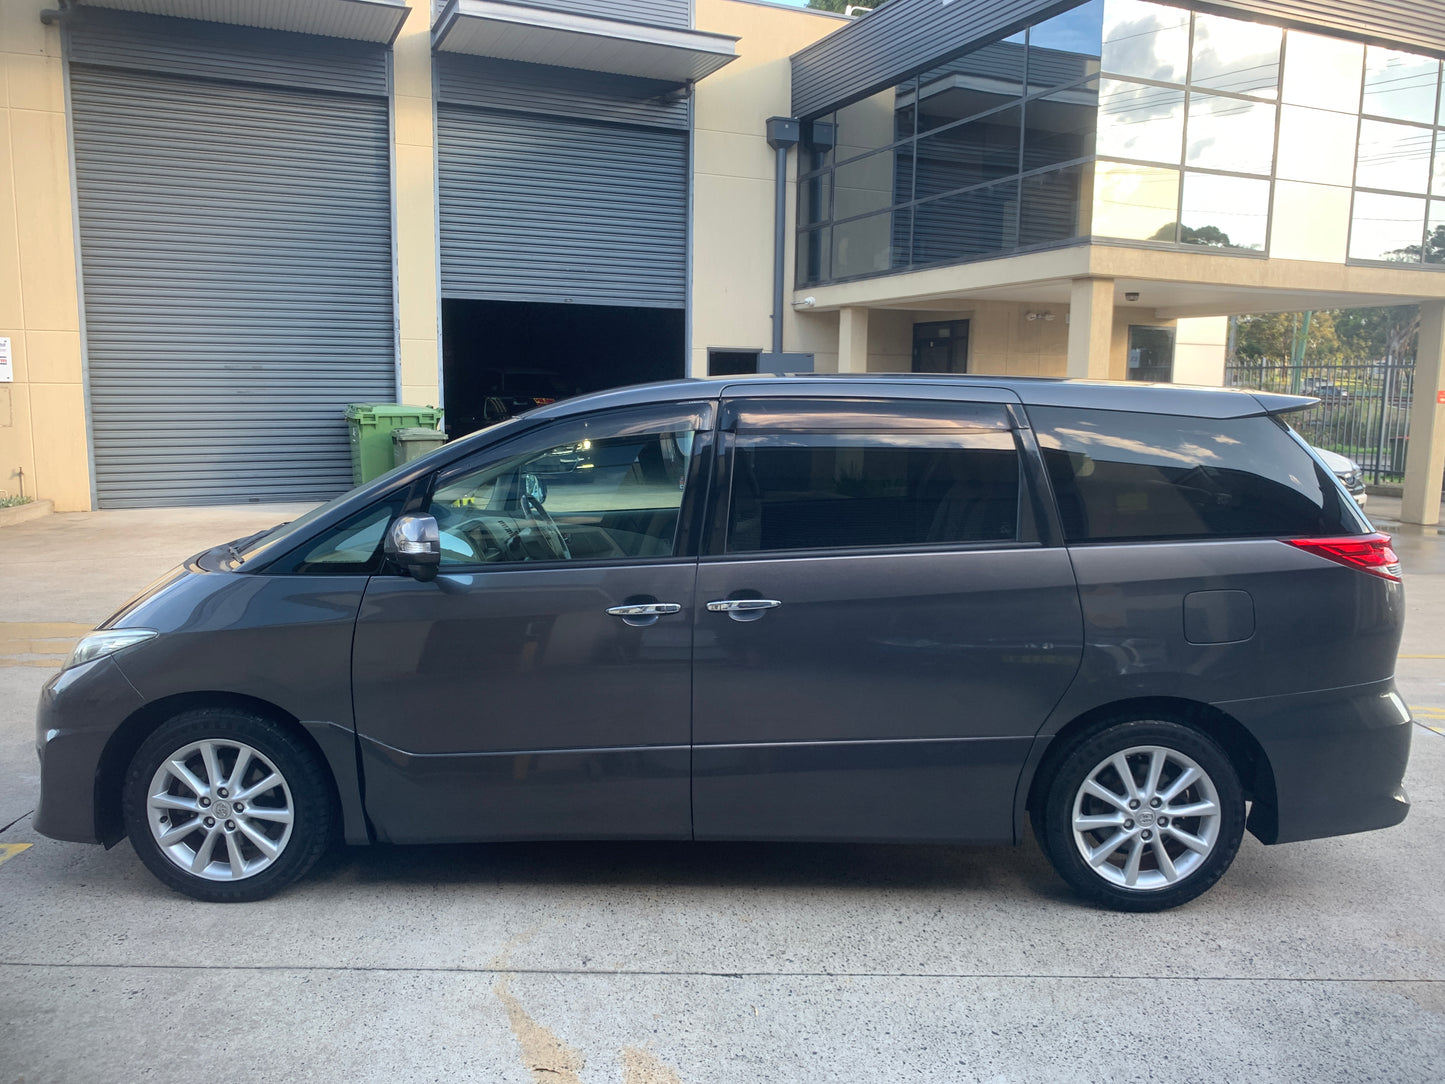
(1363, 410)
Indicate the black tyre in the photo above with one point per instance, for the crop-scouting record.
(227, 806)
(1142, 816)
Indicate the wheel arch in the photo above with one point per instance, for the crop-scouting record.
(334, 745)
(1244, 751)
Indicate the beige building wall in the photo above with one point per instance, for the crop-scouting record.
(1199, 346)
(417, 241)
(42, 413)
(733, 172)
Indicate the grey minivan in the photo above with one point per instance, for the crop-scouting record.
(877, 608)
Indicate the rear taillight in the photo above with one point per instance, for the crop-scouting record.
(1369, 553)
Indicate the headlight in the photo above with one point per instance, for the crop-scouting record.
(97, 645)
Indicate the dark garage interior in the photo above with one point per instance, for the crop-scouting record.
(516, 349)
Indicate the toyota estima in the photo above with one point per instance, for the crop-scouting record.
(885, 608)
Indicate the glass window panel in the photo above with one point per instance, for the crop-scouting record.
(1393, 156)
(864, 185)
(1147, 40)
(1315, 145)
(966, 226)
(1055, 206)
(843, 491)
(1065, 49)
(1229, 133)
(983, 79)
(819, 156)
(871, 124)
(812, 255)
(814, 194)
(1151, 354)
(1059, 127)
(1386, 228)
(863, 246)
(1435, 233)
(1400, 85)
(972, 153)
(1237, 56)
(1224, 212)
(1140, 121)
(1322, 72)
(1135, 202)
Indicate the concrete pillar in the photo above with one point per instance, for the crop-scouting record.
(853, 340)
(417, 305)
(1425, 460)
(1091, 327)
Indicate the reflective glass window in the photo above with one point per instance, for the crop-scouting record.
(864, 185)
(975, 152)
(1236, 56)
(813, 255)
(1229, 133)
(1387, 228)
(868, 125)
(1323, 73)
(983, 79)
(1224, 212)
(1065, 49)
(1393, 156)
(1151, 354)
(1140, 121)
(814, 194)
(1437, 179)
(863, 246)
(1435, 233)
(819, 136)
(1400, 85)
(1315, 145)
(1147, 40)
(1053, 206)
(966, 225)
(1059, 126)
(1135, 202)
(804, 490)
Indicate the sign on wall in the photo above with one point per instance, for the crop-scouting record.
(7, 369)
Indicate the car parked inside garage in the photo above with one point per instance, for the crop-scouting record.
(885, 608)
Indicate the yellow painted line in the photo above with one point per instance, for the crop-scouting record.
(10, 850)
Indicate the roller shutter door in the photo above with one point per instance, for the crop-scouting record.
(236, 254)
(542, 208)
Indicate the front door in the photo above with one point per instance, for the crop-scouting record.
(941, 347)
(541, 686)
(881, 628)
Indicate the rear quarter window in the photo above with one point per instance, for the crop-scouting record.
(1120, 476)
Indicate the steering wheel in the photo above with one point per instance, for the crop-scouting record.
(547, 527)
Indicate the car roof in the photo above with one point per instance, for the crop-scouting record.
(1134, 396)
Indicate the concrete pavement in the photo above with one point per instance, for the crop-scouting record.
(661, 964)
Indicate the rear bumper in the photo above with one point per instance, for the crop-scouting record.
(79, 711)
(1337, 757)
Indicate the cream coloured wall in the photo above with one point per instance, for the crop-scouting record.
(42, 413)
(1199, 345)
(417, 240)
(732, 247)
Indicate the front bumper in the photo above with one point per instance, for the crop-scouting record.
(80, 710)
(1338, 758)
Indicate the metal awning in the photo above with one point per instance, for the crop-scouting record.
(359, 20)
(566, 40)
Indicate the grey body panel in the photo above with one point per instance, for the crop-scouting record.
(907, 36)
(537, 208)
(469, 686)
(912, 683)
(236, 251)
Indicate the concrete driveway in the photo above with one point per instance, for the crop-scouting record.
(660, 964)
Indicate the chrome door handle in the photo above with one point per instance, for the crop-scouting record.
(645, 609)
(742, 605)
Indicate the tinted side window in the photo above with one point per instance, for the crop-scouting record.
(800, 490)
(1120, 476)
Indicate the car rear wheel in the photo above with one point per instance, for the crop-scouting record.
(1142, 816)
(227, 806)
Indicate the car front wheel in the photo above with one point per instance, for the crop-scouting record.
(227, 806)
(1142, 816)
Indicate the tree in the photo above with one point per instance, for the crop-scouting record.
(841, 6)
(1391, 333)
(1288, 335)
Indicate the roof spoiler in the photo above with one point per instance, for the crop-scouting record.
(1283, 404)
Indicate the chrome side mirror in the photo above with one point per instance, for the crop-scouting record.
(414, 543)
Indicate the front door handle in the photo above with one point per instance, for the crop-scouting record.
(645, 609)
(743, 609)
